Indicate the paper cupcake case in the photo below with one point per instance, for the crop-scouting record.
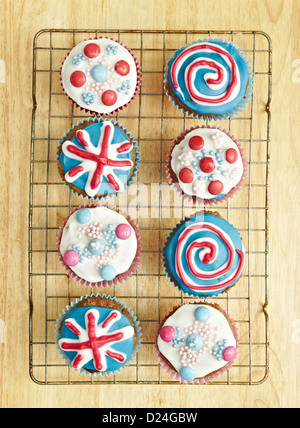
(165, 263)
(138, 83)
(73, 305)
(194, 199)
(224, 116)
(119, 278)
(206, 379)
(137, 157)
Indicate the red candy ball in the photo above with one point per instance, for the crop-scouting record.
(196, 142)
(186, 175)
(78, 79)
(207, 164)
(215, 187)
(122, 67)
(109, 97)
(231, 155)
(92, 50)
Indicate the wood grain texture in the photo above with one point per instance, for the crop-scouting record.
(19, 22)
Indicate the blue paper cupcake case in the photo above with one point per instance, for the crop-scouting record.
(211, 116)
(167, 272)
(72, 306)
(137, 156)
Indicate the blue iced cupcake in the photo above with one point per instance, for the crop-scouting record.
(97, 335)
(209, 78)
(98, 158)
(204, 255)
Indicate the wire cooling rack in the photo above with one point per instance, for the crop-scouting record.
(154, 122)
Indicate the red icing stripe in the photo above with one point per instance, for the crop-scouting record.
(113, 182)
(115, 356)
(77, 360)
(80, 138)
(72, 328)
(125, 147)
(75, 170)
(110, 318)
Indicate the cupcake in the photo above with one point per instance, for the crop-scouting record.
(100, 76)
(196, 342)
(206, 165)
(98, 158)
(99, 246)
(209, 78)
(97, 335)
(204, 255)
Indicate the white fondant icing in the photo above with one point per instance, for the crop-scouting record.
(200, 188)
(89, 270)
(184, 318)
(113, 81)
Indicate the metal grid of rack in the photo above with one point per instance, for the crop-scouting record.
(154, 122)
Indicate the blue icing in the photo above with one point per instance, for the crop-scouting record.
(220, 260)
(94, 132)
(124, 346)
(201, 85)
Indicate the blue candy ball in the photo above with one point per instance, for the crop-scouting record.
(202, 313)
(187, 373)
(194, 341)
(83, 216)
(99, 73)
(108, 272)
(96, 246)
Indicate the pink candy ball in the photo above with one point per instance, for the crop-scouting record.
(229, 353)
(71, 258)
(167, 333)
(123, 231)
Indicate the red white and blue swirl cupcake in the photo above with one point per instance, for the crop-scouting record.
(209, 78)
(196, 342)
(100, 76)
(206, 165)
(97, 335)
(204, 255)
(98, 158)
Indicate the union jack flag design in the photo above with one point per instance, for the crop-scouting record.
(99, 161)
(94, 342)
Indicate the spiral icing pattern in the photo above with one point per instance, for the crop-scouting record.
(206, 255)
(209, 77)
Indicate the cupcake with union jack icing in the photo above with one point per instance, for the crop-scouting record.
(97, 335)
(209, 78)
(204, 255)
(98, 158)
(206, 165)
(100, 76)
(196, 342)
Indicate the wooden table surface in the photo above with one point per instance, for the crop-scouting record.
(20, 21)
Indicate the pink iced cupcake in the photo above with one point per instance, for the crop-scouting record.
(196, 342)
(206, 165)
(99, 246)
(100, 76)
